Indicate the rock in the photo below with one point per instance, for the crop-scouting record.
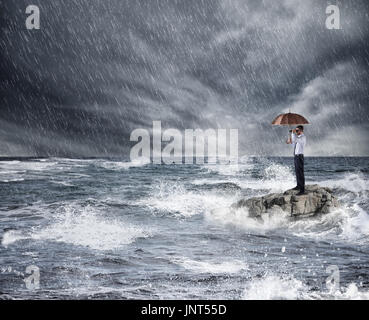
(316, 200)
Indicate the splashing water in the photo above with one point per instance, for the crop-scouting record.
(115, 229)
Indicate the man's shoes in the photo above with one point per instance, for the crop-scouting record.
(301, 193)
(296, 188)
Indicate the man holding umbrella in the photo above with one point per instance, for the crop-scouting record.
(298, 140)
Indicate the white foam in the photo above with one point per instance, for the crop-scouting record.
(9, 175)
(58, 159)
(238, 217)
(175, 198)
(12, 180)
(275, 177)
(12, 236)
(354, 182)
(233, 266)
(119, 165)
(27, 165)
(356, 225)
(272, 287)
(352, 292)
(283, 287)
(348, 223)
(82, 226)
(12, 162)
(15, 171)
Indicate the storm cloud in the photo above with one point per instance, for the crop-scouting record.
(96, 70)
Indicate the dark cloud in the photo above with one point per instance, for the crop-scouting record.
(99, 69)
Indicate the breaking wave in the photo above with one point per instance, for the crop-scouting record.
(108, 214)
(81, 226)
(349, 224)
(353, 182)
(274, 178)
(121, 165)
(274, 287)
(175, 198)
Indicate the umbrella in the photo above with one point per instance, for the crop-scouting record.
(288, 119)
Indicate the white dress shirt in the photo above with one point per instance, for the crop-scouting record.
(298, 143)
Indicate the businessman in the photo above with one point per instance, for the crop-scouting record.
(298, 140)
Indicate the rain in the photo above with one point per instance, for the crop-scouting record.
(97, 70)
(86, 84)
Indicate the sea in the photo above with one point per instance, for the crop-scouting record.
(107, 228)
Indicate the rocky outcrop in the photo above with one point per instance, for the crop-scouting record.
(316, 200)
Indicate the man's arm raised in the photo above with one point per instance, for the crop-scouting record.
(290, 139)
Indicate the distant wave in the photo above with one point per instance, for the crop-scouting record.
(119, 165)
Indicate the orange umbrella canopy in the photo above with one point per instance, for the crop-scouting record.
(286, 119)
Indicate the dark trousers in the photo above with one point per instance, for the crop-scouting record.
(299, 169)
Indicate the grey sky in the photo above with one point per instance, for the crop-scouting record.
(99, 69)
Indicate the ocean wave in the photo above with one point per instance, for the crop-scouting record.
(283, 287)
(348, 223)
(11, 162)
(239, 218)
(233, 266)
(119, 165)
(81, 226)
(176, 199)
(8, 175)
(73, 160)
(63, 183)
(272, 287)
(353, 182)
(11, 236)
(273, 177)
(226, 169)
(26, 165)
(242, 165)
(12, 180)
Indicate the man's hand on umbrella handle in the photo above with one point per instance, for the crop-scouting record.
(289, 140)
